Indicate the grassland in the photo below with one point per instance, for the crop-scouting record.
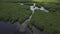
(13, 11)
(52, 6)
(45, 0)
(49, 22)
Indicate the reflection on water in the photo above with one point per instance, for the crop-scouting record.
(8, 28)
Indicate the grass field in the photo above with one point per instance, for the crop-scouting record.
(49, 22)
(45, 0)
(52, 6)
(14, 11)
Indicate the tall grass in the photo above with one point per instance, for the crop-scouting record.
(14, 11)
(50, 22)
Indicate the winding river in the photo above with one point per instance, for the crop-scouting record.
(18, 28)
(23, 26)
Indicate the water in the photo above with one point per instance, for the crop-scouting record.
(23, 26)
(43, 9)
(8, 28)
(33, 8)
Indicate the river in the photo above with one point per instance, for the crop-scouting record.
(16, 28)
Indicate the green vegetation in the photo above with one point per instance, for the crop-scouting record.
(47, 21)
(14, 11)
(51, 6)
(50, 22)
(45, 0)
